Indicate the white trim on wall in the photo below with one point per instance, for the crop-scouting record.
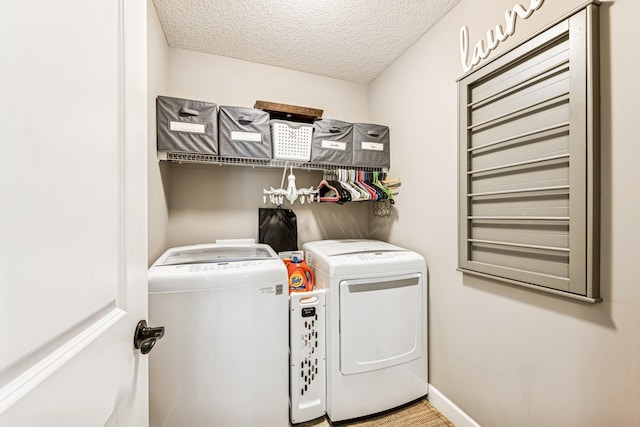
(449, 409)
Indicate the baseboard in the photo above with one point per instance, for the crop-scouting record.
(449, 409)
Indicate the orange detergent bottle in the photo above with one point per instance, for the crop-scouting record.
(300, 275)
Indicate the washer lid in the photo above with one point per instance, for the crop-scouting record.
(208, 254)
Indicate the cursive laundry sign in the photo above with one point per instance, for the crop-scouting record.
(494, 36)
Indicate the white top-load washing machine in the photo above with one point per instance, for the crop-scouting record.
(223, 360)
(376, 324)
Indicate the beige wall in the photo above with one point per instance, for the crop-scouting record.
(201, 203)
(221, 202)
(157, 70)
(510, 356)
(507, 356)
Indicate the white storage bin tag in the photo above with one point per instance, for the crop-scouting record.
(246, 136)
(334, 145)
(186, 127)
(372, 146)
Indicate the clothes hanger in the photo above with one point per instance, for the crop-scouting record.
(360, 179)
(344, 179)
(366, 180)
(330, 190)
(390, 191)
(351, 179)
(371, 179)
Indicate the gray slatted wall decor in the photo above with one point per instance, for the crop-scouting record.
(528, 162)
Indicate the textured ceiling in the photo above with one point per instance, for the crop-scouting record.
(352, 40)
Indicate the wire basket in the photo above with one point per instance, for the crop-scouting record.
(382, 208)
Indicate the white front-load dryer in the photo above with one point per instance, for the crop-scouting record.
(376, 324)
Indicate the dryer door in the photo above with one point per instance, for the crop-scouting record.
(381, 322)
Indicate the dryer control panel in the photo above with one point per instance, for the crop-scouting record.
(373, 256)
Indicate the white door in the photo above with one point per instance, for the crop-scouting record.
(72, 212)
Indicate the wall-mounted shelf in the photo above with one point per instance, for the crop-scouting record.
(293, 113)
(265, 163)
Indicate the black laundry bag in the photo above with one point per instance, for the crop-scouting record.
(278, 228)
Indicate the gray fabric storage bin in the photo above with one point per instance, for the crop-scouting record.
(186, 126)
(244, 132)
(332, 142)
(371, 145)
